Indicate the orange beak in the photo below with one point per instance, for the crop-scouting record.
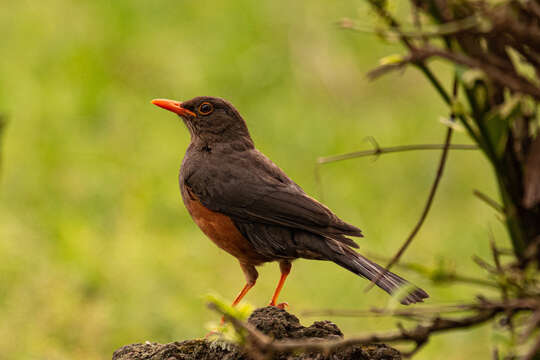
(174, 106)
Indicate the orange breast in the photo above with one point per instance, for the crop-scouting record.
(221, 230)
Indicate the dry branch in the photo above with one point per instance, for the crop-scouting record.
(392, 149)
(431, 196)
(498, 107)
(513, 81)
(418, 335)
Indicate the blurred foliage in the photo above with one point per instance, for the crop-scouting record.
(223, 330)
(495, 50)
(96, 248)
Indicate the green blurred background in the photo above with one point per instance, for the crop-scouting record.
(96, 248)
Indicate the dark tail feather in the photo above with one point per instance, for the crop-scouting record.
(389, 281)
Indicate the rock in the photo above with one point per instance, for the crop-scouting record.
(200, 349)
(270, 320)
(279, 324)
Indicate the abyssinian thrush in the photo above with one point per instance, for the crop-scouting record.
(250, 208)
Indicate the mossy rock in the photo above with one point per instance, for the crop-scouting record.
(272, 321)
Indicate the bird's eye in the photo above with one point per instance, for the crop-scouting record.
(206, 108)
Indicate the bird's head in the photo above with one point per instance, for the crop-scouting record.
(209, 119)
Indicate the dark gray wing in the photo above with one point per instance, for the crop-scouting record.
(249, 188)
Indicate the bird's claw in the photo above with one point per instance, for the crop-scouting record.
(210, 334)
(282, 306)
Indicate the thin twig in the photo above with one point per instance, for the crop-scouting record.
(378, 312)
(386, 16)
(392, 149)
(446, 276)
(511, 80)
(450, 28)
(318, 181)
(431, 196)
(492, 203)
(503, 285)
(470, 280)
(495, 353)
(512, 304)
(418, 334)
(258, 338)
(423, 216)
(495, 253)
(484, 264)
(415, 12)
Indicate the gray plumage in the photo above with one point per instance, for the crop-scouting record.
(229, 176)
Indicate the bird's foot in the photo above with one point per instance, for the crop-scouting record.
(282, 306)
(218, 329)
(210, 334)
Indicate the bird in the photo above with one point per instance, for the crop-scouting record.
(251, 209)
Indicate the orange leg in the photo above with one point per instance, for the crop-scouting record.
(242, 293)
(239, 298)
(251, 277)
(285, 267)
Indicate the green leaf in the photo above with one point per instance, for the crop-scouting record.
(393, 59)
(451, 123)
(498, 123)
(240, 311)
(225, 331)
(470, 76)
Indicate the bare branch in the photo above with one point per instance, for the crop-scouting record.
(419, 334)
(446, 276)
(450, 28)
(484, 264)
(427, 207)
(409, 312)
(512, 304)
(318, 180)
(431, 196)
(492, 203)
(512, 80)
(392, 149)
